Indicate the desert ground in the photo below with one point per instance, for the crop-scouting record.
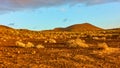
(21, 48)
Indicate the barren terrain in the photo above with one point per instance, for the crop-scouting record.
(22, 48)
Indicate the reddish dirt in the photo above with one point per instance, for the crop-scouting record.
(56, 58)
(59, 55)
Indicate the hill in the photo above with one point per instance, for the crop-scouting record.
(72, 28)
(79, 27)
(115, 29)
(5, 27)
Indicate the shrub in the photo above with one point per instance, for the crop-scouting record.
(103, 46)
(29, 44)
(20, 44)
(40, 46)
(77, 43)
(50, 41)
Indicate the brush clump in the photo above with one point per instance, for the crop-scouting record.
(103, 46)
(21, 44)
(40, 46)
(73, 43)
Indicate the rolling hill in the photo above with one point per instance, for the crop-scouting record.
(72, 28)
(79, 27)
(5, 27)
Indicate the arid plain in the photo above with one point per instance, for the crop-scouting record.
(77, 46)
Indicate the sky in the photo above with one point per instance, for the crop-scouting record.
(49, 14)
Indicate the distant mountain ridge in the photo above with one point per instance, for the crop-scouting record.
(72, 28)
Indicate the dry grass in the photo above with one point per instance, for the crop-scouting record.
(107, 51)
(104, 49)
(59, 49)
(82, 58)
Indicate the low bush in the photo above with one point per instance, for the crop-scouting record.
(20, 44)
(40, 46)
(77, 43)
(103, 46)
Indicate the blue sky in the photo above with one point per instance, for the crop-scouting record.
(106, 15)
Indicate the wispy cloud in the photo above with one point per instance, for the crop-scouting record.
(65, 19)
(11, 24)
(14, 5)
